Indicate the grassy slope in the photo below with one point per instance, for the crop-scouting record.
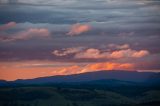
(56, 96)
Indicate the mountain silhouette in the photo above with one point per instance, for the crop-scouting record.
(131, 76)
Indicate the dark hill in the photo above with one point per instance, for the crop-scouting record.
(132, 76)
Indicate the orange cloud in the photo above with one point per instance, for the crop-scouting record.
(124, 34)
(7, 26)
(109, 66)
(129, 53)
(77, 29)
(75, 69)
(33, 69)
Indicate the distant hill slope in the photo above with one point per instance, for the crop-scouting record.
(131, 76)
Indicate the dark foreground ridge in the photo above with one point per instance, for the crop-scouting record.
(101, 88)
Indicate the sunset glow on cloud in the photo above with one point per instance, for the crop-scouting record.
(94, 67)
(33, 69)
(93, 53)
(129, 53)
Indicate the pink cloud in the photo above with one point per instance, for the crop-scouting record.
(32, 32)
(129, 54)
(91, 53)
(77, 29)
(98, 54)
(115, 46)
(7, 26)
(141, 53)
(122, 51)
(27, 34)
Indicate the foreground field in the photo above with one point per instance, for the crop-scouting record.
(71, 96)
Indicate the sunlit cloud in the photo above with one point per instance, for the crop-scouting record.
(119, 52)
(108, 66)
(34, 69)
(91, 53)
(75, 69)
(77, 29)
(128, 54)
(7, 26)
(97, 54)
(141, 53)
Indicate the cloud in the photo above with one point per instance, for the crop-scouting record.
(117, 54)
(122, 51)
(39, 2)
(33, 32)
(28, 34)
(124, 46)
(141, 53)
(7, 26)
(128, 54)
(91, 53)
(33, 69)
(67, 51)
(5, 39)
(75, 69)
(77, 29)
(109, 66)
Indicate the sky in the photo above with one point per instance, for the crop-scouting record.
(41, 38)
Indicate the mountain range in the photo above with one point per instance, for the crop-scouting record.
(98, 77)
